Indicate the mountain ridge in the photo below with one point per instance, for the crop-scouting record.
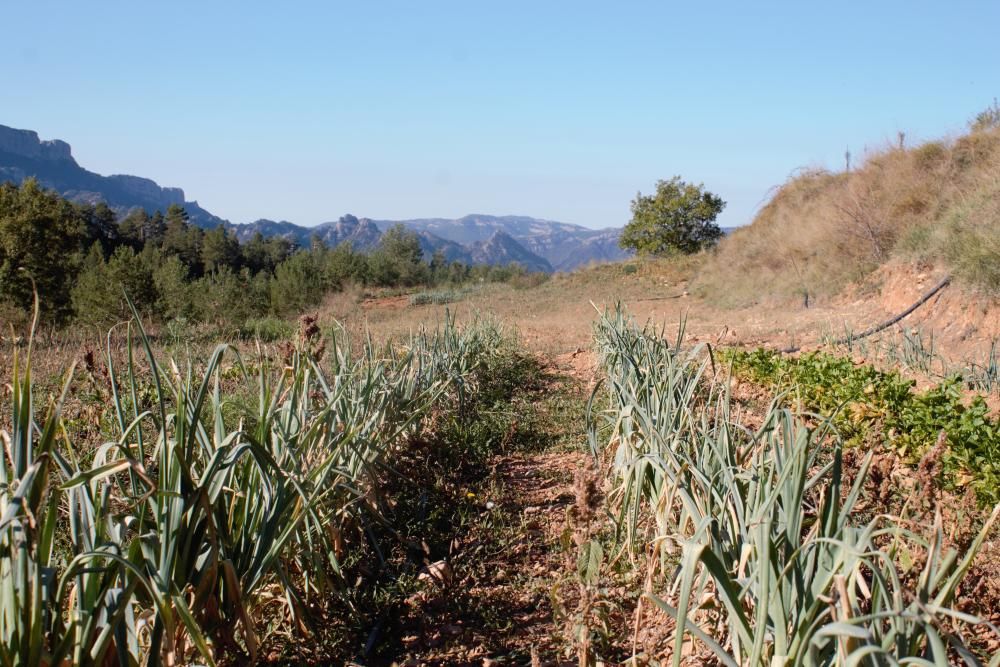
(535, 243)
(23, 155)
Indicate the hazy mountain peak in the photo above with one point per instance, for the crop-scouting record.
(535, 243)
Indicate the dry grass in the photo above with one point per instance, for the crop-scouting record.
(822, 230)
(554, 317)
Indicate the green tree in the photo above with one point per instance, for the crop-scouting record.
(680, 217)
(154, 230)
(297, 284)
(175, 294)
(226, 298)
(42, 239)
(183, 239)
(219, 248)
(131, 226)
(99, 294)
(255, 254)
(399, 259)
(141, 229)
(102, 227)
(343, 265)
(438, 267)
(260, 254)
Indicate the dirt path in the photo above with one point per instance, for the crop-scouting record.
(493, 604)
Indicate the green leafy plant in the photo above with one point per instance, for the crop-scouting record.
(867, 404)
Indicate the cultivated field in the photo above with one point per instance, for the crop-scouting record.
(546, 474)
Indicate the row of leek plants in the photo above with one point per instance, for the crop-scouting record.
(166, 546)
(770, 566)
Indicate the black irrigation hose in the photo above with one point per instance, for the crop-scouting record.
(884, 325)
(888, 323)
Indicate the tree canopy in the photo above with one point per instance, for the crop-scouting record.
(679, 217)
(42, 241)
(81, 260)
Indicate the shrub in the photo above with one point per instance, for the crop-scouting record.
(987, 119)
(266, 329)
(930, 154)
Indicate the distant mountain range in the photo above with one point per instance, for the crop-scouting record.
(537, 245)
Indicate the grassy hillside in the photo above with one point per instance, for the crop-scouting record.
(938, 202)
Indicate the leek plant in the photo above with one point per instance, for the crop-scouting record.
(761, 520)
(177, 530)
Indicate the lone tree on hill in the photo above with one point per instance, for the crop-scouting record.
(680, 217)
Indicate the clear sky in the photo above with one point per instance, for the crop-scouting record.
(563, 110)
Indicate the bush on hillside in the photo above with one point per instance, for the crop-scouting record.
(679, 218)
(987, 119)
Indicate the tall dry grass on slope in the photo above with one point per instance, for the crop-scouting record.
(937, 202)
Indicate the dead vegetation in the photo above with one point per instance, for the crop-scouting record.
(823, 230)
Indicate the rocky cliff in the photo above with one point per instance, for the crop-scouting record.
(23, 155)
(26, 144)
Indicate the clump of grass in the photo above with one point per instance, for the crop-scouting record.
(915, 350)
(266, 329)
(984, 375)
(987, 119)
(439, 297)
(523, 281)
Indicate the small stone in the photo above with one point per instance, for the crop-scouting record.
(438, 572)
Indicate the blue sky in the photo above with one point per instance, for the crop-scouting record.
(564, 110)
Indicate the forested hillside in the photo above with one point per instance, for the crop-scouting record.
(82, 261)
